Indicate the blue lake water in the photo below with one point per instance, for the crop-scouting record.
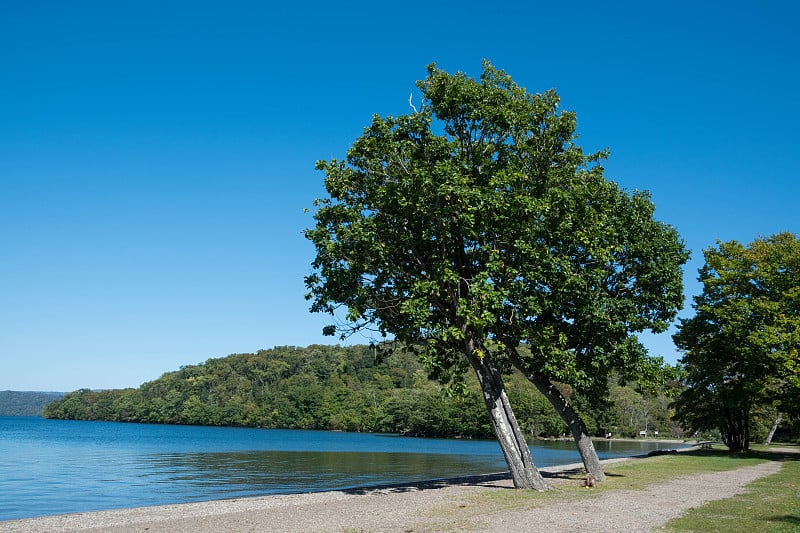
(62, 466)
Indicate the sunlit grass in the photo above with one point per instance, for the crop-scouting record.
(771, 504)
(634, 474)
(637, 474)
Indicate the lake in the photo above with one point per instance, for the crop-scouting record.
(65, 466)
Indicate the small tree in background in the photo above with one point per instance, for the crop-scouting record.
(741, 347)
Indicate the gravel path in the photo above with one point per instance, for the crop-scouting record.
(631, 510)
(468, 504)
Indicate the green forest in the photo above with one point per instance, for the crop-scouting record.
(349, 388)
(25, 403)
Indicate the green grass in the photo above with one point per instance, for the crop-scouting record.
(770, 505)
(773, 505)
(637, 474)
(631, 475)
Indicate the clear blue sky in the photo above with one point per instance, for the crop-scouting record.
(156, 156)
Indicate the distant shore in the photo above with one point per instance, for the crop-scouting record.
(686, 442)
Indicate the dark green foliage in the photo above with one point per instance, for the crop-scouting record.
(535, 414)
(629, 411)
(319, 387)
(476, 224)
(742, 347)
(336, 388)
(25, 403)
(479, 215)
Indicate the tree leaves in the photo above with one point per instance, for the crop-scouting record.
(741, 347)
(478, 212)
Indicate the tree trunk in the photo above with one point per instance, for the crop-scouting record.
(509, 436)
(736, 425)
(591, 462)
(772, 430)
(583, 441)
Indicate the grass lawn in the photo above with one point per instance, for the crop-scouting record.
(771, 504)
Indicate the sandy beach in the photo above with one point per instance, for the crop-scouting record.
(466, 504)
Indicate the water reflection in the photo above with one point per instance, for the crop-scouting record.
(227, 474)
(54, 466)
(290, 472)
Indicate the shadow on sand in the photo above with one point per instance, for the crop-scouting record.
(568, 472)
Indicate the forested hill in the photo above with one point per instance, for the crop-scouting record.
(318, 387)
(25, 403)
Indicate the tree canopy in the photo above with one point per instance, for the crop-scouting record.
(474, 224)
(741, 347)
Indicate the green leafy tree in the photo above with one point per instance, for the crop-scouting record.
(589, 274)
(407, 240)
(475, 224)
(741, 347)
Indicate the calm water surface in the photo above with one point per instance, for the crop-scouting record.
(63, 466)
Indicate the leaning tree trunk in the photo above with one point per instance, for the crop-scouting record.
(772, 430)
(509, 436)
(591, 462)
(583, 441)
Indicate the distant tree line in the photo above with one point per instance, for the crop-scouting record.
(349, 389)
(25, 403)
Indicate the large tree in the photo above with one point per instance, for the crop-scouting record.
(741, 347)
(583, 264)
(474, 225)
(404, 242)
(585, 278)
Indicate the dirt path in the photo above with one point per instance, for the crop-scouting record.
(452, 506)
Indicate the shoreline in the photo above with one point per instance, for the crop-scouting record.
(471, 503)
(420, 484)
(200, 512)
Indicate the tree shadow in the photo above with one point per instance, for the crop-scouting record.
(501, 480)
(485, 480)
(793, 520)
(571, 473)
(781, 454)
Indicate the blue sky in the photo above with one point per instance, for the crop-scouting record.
(156, 156)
